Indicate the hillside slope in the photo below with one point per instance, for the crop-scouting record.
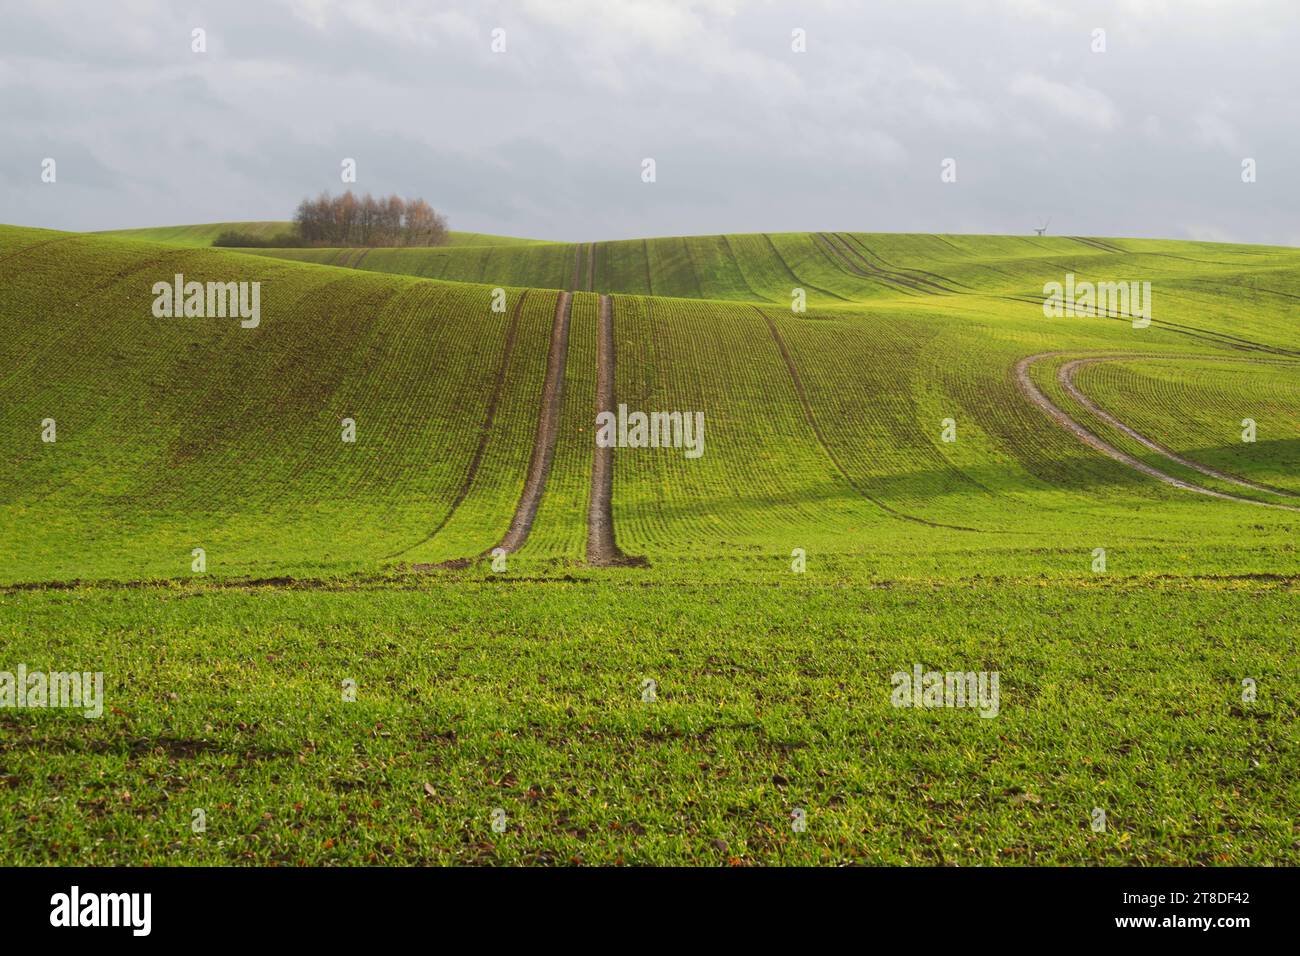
(825, 430)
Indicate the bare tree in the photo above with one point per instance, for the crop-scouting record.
(348, 221)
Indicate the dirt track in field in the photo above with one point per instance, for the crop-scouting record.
(1065, 375)
(548, 430)
(602, 549)
(1036, 396)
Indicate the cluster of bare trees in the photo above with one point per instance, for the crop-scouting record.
(348, 221)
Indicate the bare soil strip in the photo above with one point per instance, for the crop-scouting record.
(1035, 395)
(485, 432)
(602, 550)
(1065, 375)
(548, 429)
(404, 578)
(811, 419)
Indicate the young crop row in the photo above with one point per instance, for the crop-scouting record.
(560, 527)
(485, 514)
(823, 430)
(762, 482)
(180, 433)
(533, 265)
(1212, 399)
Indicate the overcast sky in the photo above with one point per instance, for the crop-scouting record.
(547, 138)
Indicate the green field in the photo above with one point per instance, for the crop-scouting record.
(521, 688)
(202, 234)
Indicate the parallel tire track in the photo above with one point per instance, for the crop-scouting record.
(799, 283)
(841, 260)
(1065, 375)
(548, 429)
(854, 255)
(602, 549)
(1036, 396)
(37, 245)
(942, 281)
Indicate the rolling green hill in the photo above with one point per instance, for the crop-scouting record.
(948, 461)
(823, 428)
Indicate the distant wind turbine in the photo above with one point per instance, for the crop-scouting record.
(1043, 228)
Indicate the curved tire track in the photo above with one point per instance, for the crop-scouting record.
(852, 255)
(842, 261)
(1065, 375)
(1036, 396)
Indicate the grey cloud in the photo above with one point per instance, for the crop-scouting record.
(546, 139)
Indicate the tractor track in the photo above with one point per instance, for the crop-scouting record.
(1036, 397)
(548, 429)
(841, 260)
(799, 283)
(602, 548)
(842, 250)
(1065, 375)
(38, 245)
(904, 270)
(853, 261)
(857, 260)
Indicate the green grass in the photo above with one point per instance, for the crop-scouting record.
(522, 689)
(528, 697)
